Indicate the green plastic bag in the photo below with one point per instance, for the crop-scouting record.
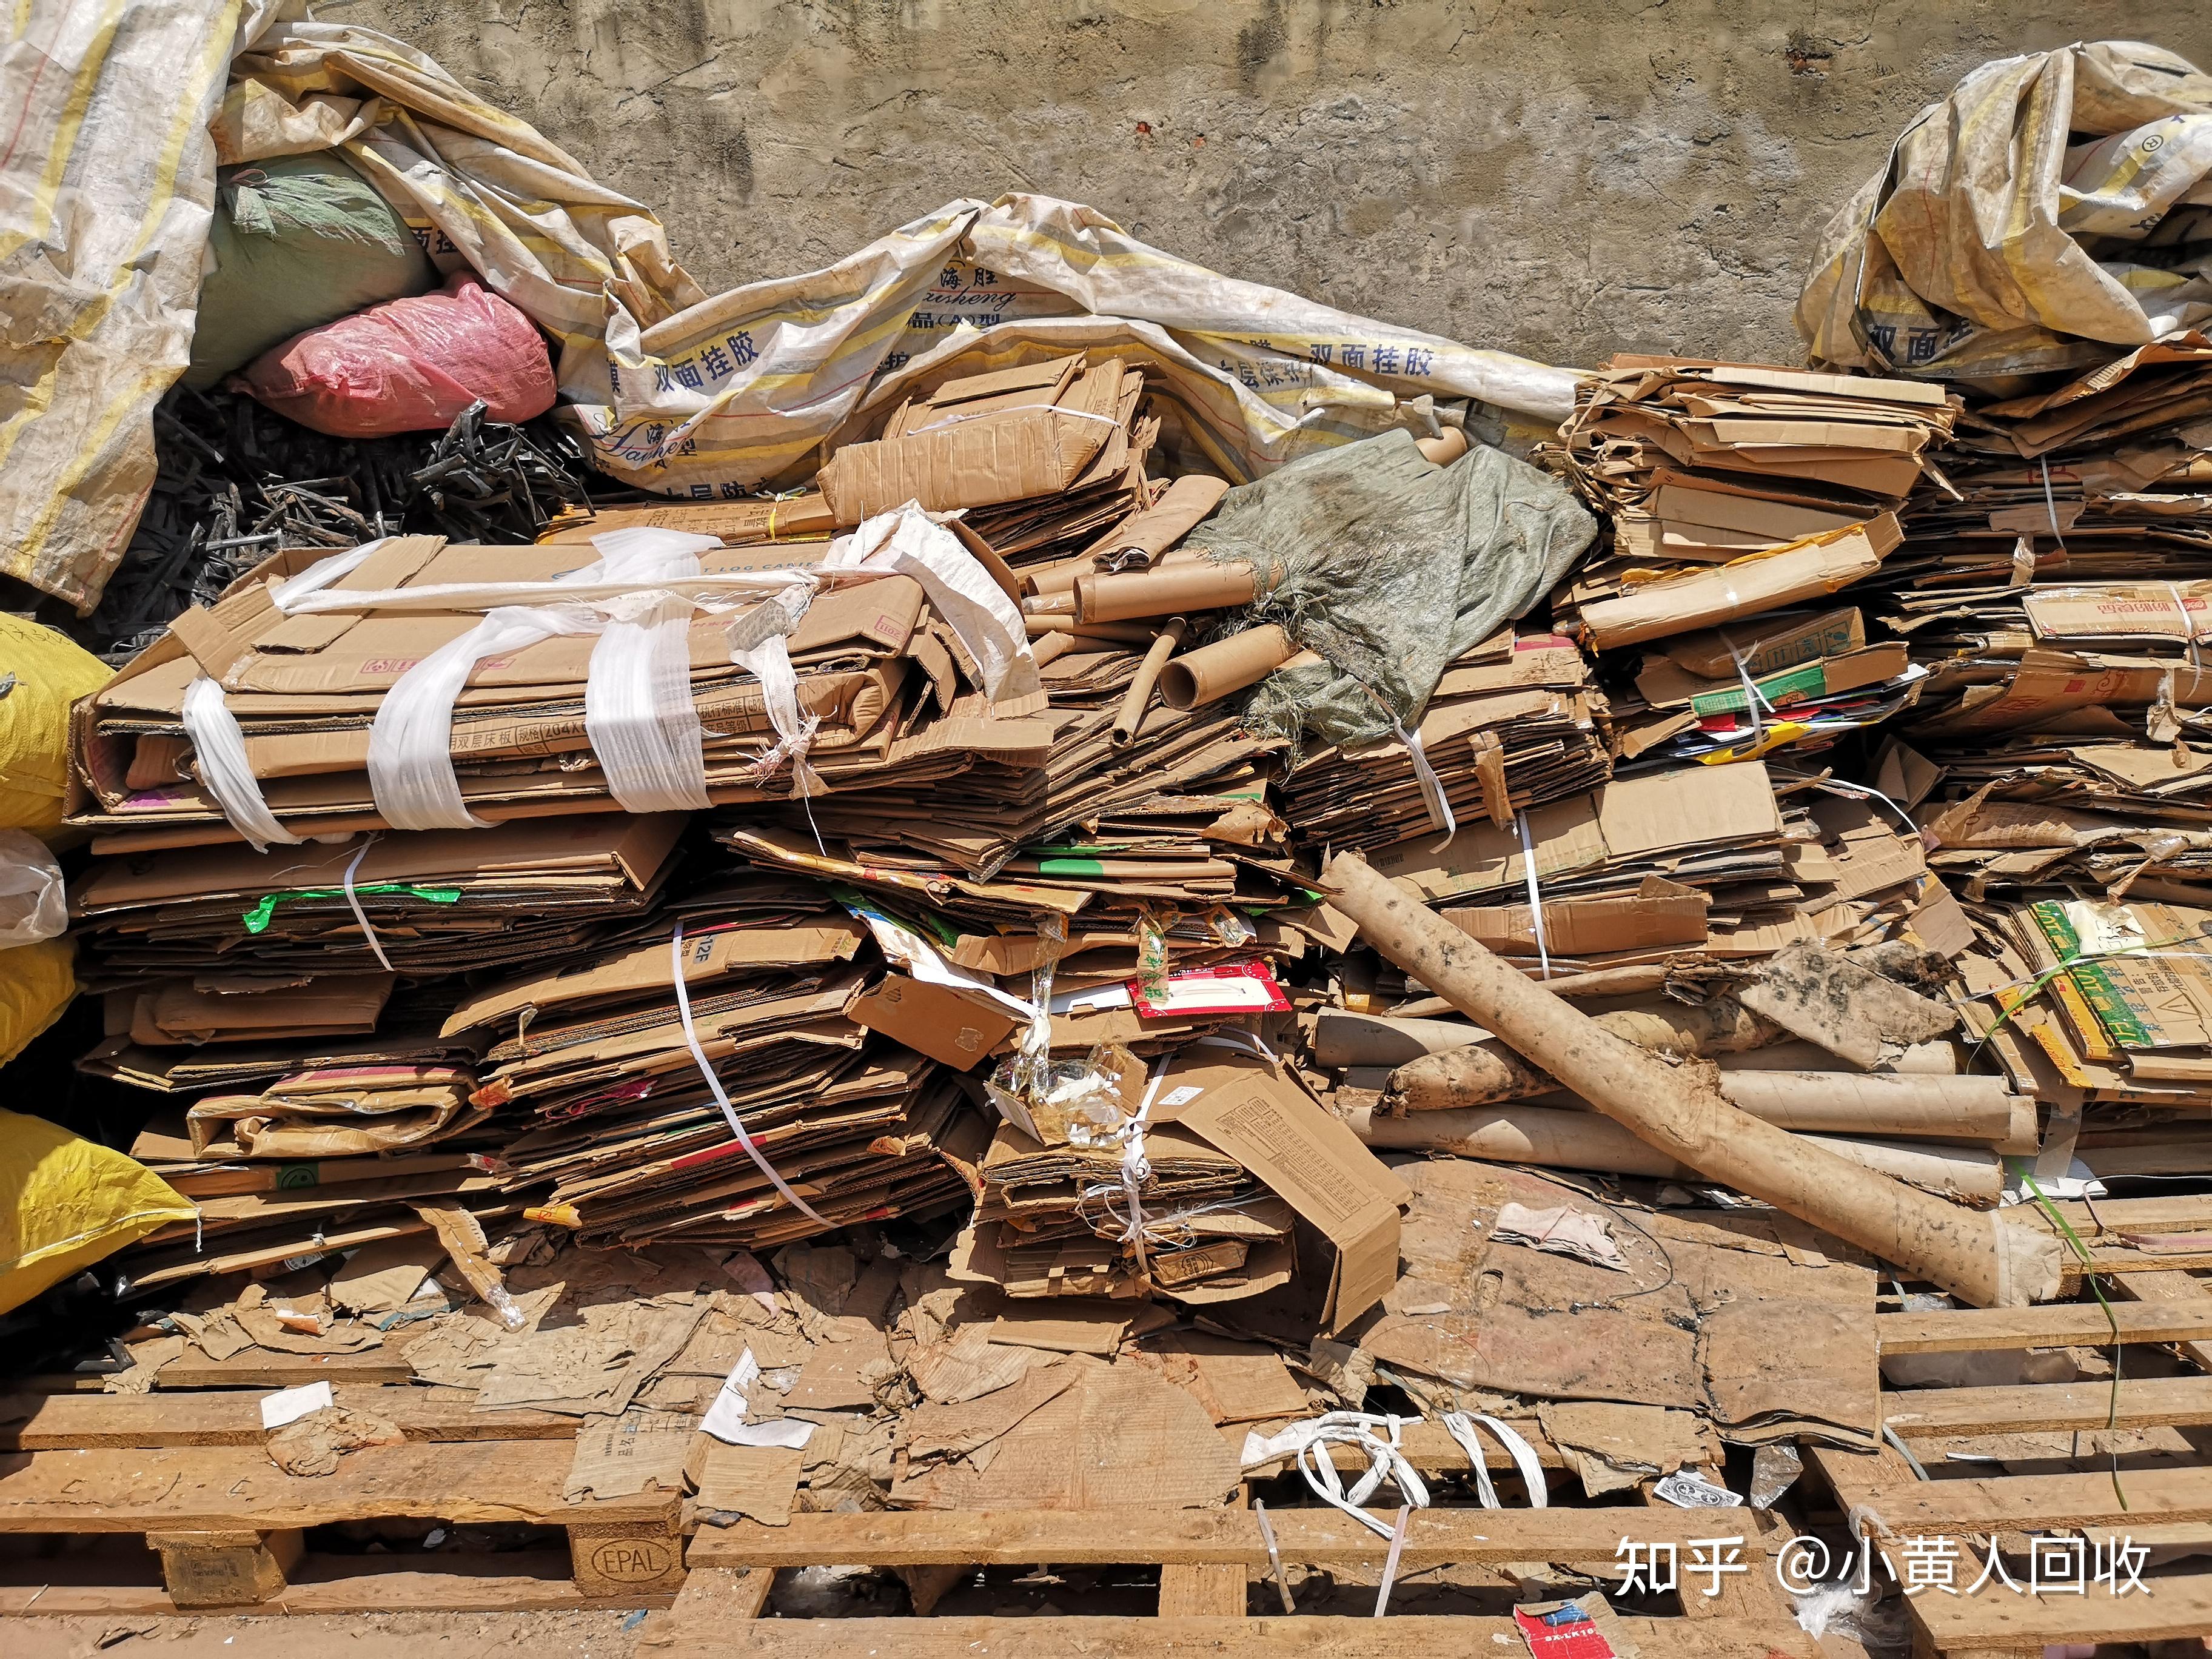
(299, 241)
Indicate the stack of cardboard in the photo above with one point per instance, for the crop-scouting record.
(1044, 456)
(2066, 569)
(876, 666)
(442, 902)
(1741, 497)
(1726, 863)
(1514, 723)
(1736, 488)
(1192, 1191)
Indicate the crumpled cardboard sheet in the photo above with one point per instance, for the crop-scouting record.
(634, 1451)
(1121, 1437)
(1753, 1320)
(312, 1445)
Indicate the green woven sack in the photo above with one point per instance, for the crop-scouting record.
(299, 241)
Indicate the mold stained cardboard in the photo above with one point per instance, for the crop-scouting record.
(1315, 1163)
(956, 1027)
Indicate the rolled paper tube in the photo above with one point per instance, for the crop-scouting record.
(1937, 1058)
(1679, 1110)
(1562, 1140)
(1173, 590)
(1343, 1038)
(1051, 647)
(1445, 448)
(1131, 715)
(1058, 580)
(1116, 633)
(1213, 671)
(1969, 1110)
(1041, 604)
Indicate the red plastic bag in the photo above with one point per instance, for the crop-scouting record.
(408, 365)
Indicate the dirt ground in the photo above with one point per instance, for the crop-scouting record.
(360, 1636)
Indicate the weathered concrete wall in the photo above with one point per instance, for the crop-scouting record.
(1562, 180)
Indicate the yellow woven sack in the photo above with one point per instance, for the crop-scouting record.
(36, 983)
(66, 1202)
(42, 674)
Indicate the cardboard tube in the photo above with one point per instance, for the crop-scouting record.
(1343, 1038)
(1980, 1257)
(1058, 581)
(1445, 447)
(1131, 715)
(1937, 1058)
(1875, 1103)
(1213, 671)
(1109, 633)
(1050, 648)
(1558, 1138)
(1171, 590)
(1477, 1073)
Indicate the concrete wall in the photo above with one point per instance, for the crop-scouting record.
(1560, 180)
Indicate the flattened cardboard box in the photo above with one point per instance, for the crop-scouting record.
(1630, 818)
(956, 1027)
(1801, 570)
(1662, 912)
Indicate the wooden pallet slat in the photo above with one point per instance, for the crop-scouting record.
(1303, 1637)
(1990, 1330)
(2050, 1408)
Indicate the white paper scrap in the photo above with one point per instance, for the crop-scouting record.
(290, 1405)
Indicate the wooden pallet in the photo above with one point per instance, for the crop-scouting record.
(184, 1470)
(2170, 1504)
(187, 1474)
(1212, 1564)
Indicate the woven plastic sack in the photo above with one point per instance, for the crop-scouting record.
(409, 365)
(41, 674)
(299, 241)
(66, 1202)
(37, 981)
(1389, 566)
(2053, 207)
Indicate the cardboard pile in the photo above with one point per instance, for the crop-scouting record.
(1184, 1182)
(875, 664)
(2061, 581)
(1514, 723)
(1741, 497)
(1044, 457)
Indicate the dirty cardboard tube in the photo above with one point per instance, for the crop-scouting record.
(1479, 1073)
(1171, 590)
(1560, 1138)
(1975, 1255)
(1213, 671)
(1131, 715)
(1972, 1109)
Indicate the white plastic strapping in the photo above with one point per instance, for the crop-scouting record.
(219, 747)
(975, 606)
(638, 713)
(1461, 1426)
(715, 1083)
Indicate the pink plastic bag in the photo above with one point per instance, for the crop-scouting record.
(408, 366)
